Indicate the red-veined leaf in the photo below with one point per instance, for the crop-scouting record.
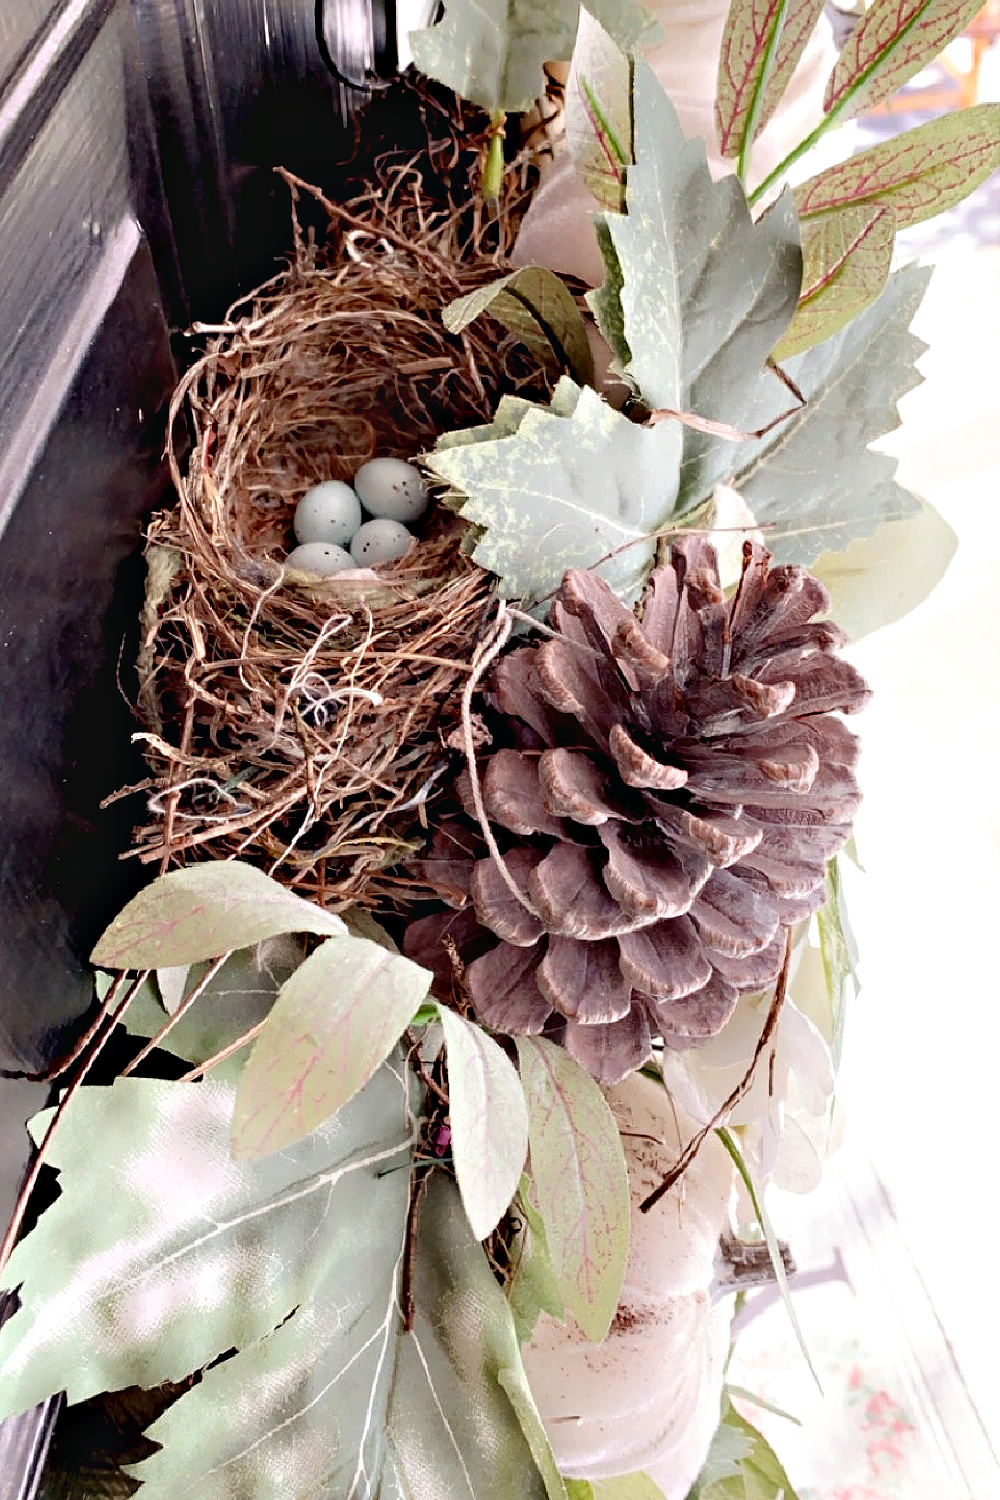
(845, 264)
(580, 1181)
(599, 112)
(761, 45)
(918, 174)
(335, 1021)
(488, 1119)
(893, 41)
(189, 915)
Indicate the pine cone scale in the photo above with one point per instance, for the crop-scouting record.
(584, 981)
(650, 883)
(667, 960)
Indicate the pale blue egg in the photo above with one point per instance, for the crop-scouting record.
(379, 541)
(329, 512)
(323, 558)
(391, 488)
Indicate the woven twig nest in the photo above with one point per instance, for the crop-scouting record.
(298, 722)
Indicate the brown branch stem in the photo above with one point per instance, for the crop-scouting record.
(693, 1146)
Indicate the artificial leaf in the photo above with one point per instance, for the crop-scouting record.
(340, 1402)
(492, 51)
(893, 40)
(233, 1002)
(172, 984)
(811, 482)
(730, 1449)
(536, 306)
(917, 174)
(361, 923)
(773, 1247)
(705, 292)
(580, 1181)
(761, 45)
(599, 112)
(625, 1487)
(533, 1288)
(839, 952)
(202, 912)
(877, 579)
(335, 1021)
(162, 1253)
(565, 491)
(758, 1476)
(514, 1381)
(845, 265)
(488, 1119)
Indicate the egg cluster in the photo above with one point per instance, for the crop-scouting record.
(330, 524)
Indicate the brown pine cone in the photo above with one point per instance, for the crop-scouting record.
(665, 793)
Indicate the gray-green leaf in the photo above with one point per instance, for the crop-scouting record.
(340, 1402)
(234, 1001)
(333, 1024)
(536, 306)
(741, 1465)
(565, 491)
(580, 1181)
(488, 1118)
(492, 51)
(811, 482)
(705, 292)
(162, 1253)
(203, 911)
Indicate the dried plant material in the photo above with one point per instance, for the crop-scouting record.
(299, 722)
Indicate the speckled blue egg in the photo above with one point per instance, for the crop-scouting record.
(390, 488)
(379, 541)
(329, 512)
(322, 558)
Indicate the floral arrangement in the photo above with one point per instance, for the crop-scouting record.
(507, 961)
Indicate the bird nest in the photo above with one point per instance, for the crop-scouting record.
(304, 723)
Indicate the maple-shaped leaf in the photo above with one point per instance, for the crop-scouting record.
(288, 1271)
(701, 293)
(161, 1253)
(892, 42)
(846, 258)
(812, 482)
(917, 174)
(339, 1402)
(574, 482)
(492, 52)
(762, 42)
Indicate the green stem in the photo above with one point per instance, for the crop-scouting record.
(493, 168)
(757, 99)
(839, 110)
(824, 125)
